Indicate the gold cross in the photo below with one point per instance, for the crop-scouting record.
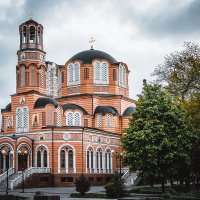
(91, 41)
(30, 15)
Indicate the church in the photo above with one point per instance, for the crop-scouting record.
(63, 120)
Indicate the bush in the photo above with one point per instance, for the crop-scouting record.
(82, 185)
(116, 188)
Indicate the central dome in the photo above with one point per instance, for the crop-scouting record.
(89, 55)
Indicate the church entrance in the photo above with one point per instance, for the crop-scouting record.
(22, 162)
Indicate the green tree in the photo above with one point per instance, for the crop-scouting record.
(180, 71)
(157, 138)
(82, 185)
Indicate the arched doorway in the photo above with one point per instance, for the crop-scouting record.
(6, 157)
(23, 158)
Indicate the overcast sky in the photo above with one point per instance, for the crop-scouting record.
(137, 32)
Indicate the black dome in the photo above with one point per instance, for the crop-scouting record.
(89, 55)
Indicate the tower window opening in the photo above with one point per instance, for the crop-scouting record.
(32, 35)
(24, 35)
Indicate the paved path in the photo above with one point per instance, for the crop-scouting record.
(63, 192)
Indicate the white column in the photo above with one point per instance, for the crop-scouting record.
(108, 160)
(74, 162)
(94, 162)
(86, 163)
(42, 159)
(66, 162)
(99, 162)
(103, 163)
(58, 162)
(111, 162)
(4, 163)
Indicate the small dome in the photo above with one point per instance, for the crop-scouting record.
(42, 102)
(129, 111)
(89, 55)
(105, 109)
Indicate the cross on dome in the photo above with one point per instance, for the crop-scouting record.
(91, 42)
(30, 15)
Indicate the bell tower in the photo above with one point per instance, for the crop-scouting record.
(31, 68)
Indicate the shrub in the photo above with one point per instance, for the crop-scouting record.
(116, 188)
(82, 185)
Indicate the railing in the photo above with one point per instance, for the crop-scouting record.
(28, 172)
(4, 175)
(126, 174)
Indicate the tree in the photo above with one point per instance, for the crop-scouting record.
(180, 71)
(82, 185)
(158, 136)
(116, 188)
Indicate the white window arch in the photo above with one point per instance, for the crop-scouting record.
(67, 159)
(73, 71)
(101, 73)
(122, 76)
(42, 159)
(108, 120)
(99, 120)
(73, 119)
(22, 119)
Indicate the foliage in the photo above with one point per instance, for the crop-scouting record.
(89, 195)
(82, 185)
(158, 138)
(116, 188)
(180, 71)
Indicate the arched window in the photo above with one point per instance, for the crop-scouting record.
(73, 119)
(69, 119)
(99, 120)
(42, 77)
(62, 159)
(23, 76)
(45, 158)
(39, 35)
(22, 119)
(70, 159)
(32, 35)
(24, 35)
(108, 161)
(115, 119)
(90, 160)
(58, 116)
(67, 159)
(49, 115)
(108, 120)
(99, 159)
(122, 76)
(33, 76)
(42, 160)
(77, 118)
(73, 71)
(101, 73)
(38, 159)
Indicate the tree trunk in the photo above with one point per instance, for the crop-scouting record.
(163, 185)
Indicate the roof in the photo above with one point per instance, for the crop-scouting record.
(31, 21)
(89, 55)
(129, 111)
(73, 107)
(42, 102)
(7, 108)
(105, 109)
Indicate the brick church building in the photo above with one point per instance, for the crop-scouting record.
(63, 120)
